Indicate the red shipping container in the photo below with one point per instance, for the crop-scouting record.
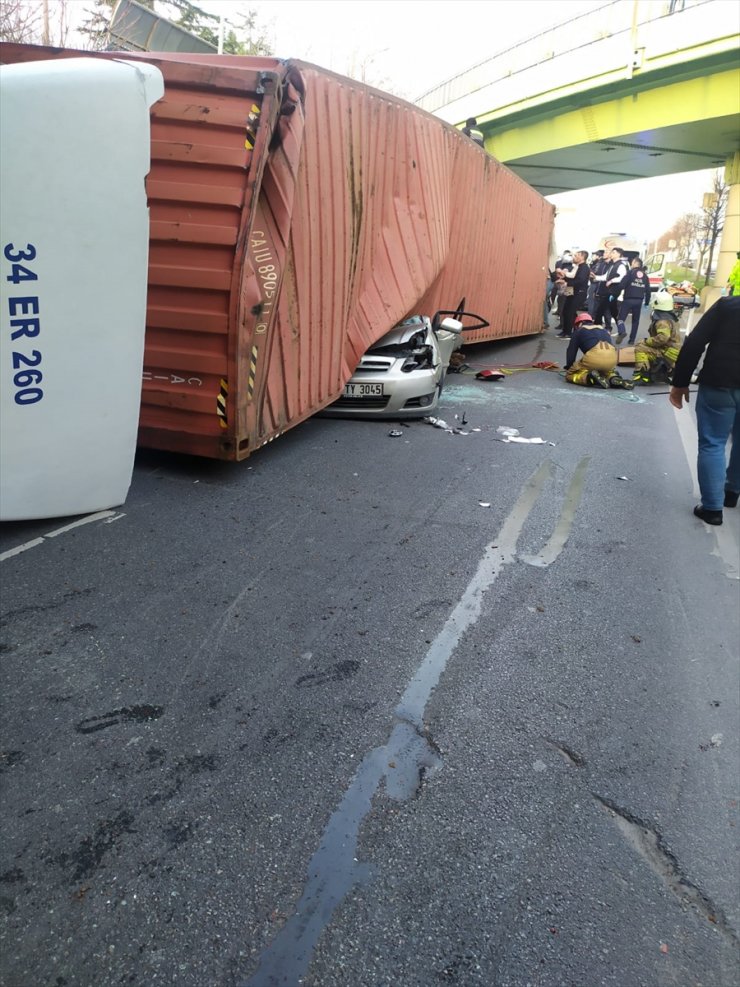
(296, 216)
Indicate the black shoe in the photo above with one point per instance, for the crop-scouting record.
(731, 498)
(620, 337)
(708, 517)
(596, 380)
(563, 335)
(616, 380)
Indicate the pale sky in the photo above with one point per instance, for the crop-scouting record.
(409, 46)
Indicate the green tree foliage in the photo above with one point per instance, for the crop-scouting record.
(96, 24)
(242, 35)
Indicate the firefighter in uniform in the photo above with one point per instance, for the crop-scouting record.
(598, 366)
(660, 348)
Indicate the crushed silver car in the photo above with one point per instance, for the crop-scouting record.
(402, 375)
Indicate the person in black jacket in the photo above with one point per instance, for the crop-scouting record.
(609, 287)
(557, 295)
(635, 294)
(717, 404)
(471, 130)
(598, 266)
(576, 286)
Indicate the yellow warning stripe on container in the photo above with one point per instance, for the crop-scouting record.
(252, 121)
(252, 372)
(221, 404)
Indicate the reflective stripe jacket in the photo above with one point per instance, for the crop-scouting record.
(663, 331)
(583, 339)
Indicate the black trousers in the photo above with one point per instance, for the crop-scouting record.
(571, 306)
(606, 311)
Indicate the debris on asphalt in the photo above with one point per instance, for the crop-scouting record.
(395, 433)
(506, 430)
(715, 741)
(623, 478)
(490, 375)
(437, 423)
(483, 503)
(535, 441)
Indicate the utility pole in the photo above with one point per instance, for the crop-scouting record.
(45, 38)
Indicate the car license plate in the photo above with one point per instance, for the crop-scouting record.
(363, 390)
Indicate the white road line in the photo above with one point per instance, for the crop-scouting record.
(21, 548)
(98, 516)
(334, 868)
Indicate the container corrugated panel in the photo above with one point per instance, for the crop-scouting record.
(296, 216)
(498, 247)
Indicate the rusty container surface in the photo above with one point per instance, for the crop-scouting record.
(497, 257)
(296, 216)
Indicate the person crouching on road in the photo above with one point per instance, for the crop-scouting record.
(598, 367)
(635, 294)
(663, 342)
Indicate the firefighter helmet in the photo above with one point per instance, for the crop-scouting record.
(663, 302)
(581, 318)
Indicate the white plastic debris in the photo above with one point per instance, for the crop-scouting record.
(394, 433)
(716, 740)
(505, 430)
(438, 423)
(623, 478)
(483, 503)
(536, 441)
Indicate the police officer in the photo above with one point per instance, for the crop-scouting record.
(471, 130)
(635, 294)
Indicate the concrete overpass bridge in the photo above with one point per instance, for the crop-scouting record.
(629, 89)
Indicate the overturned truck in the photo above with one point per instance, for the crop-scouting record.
(295, 217)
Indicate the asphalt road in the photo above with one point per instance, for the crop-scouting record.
(366, 710)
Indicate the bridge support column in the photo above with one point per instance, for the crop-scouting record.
(730, 239)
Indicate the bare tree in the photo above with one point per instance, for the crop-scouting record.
(35, 22)
(20, 22)
(683, 234)
(361, 67)
(713, 216)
